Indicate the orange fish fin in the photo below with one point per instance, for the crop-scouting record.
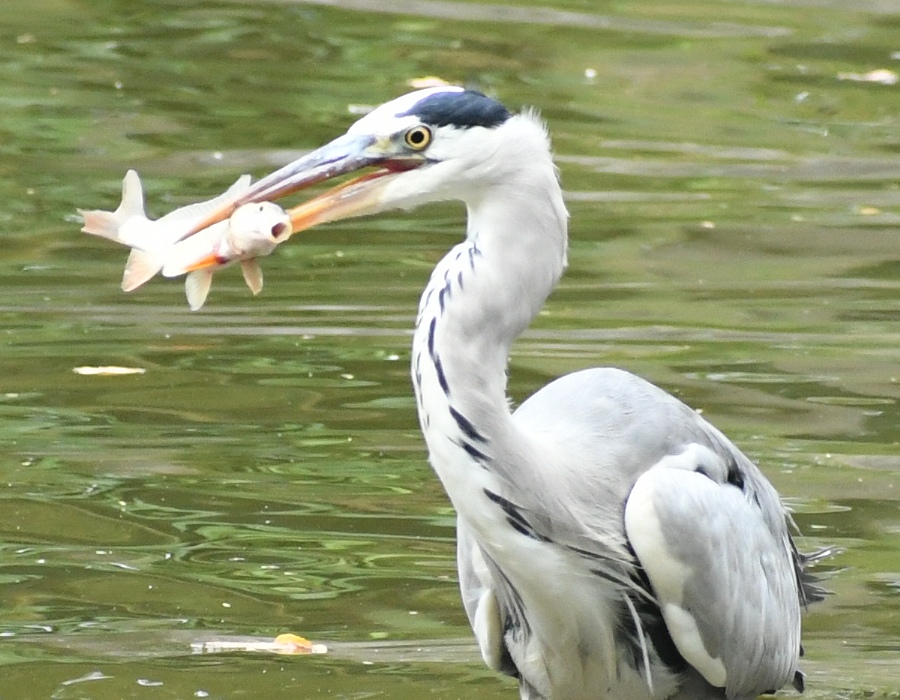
(253, 275)
(196, 287)
(141, 267)
(203, 263)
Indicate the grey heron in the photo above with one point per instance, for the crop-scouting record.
(611, 542)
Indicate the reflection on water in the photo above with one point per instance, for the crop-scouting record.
(734, 238)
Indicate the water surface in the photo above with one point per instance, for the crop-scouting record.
(732, 172)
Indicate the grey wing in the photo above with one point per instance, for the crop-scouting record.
(706, 526)
(725, 582)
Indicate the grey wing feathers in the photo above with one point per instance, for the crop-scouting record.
(742, 577)
(728, 581)
(810, 590)
(725, 584)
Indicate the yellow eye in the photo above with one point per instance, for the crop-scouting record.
(418, 137)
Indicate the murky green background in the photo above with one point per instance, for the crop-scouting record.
(732, 171)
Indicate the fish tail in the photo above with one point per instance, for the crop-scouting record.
(196, 287)
(132, 197)
(108, 223)
(141, 267)
(100, 223)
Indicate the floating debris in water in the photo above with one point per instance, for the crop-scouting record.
(427, 81)
(108, 371)
(92, 676)
(882, 76)
(282, 644)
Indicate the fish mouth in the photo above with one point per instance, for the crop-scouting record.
(356, 197)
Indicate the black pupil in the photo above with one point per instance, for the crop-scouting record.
(417, 137)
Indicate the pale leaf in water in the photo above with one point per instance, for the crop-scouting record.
(427, 81)
(108, 371)
(882, 76)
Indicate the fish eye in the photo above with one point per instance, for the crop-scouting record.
(418, 137)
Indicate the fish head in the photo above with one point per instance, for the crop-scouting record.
(256, 228)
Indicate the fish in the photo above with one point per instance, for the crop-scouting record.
(166, 245)
(252, 231)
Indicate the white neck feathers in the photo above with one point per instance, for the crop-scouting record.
(481, 296)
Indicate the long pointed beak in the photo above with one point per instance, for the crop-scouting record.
(345, 154)
(359, 196)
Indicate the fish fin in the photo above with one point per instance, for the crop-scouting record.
(196, 287)
(100, 223)
(188, 216)
(141, 266)
(132, 197)
(253, 275)
(195, 252)
(108, 224)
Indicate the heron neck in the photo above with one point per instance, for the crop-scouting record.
(480, 298)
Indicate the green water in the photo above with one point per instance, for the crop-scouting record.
(733, 184)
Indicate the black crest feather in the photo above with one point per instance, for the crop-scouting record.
(462, 109)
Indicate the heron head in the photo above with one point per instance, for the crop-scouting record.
(433, 144)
